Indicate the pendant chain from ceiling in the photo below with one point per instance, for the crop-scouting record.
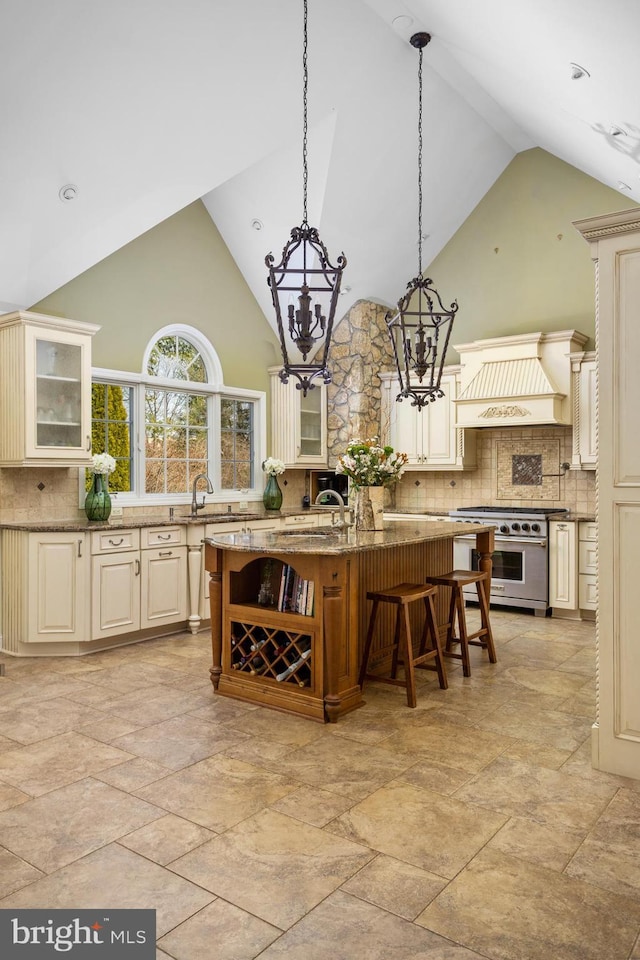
(305, 84)
(420, 163)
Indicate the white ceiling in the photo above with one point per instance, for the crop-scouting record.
(148, 105)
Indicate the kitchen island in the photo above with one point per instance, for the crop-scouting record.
(289, 609)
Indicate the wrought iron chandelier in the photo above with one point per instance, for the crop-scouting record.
(305, 285)
(421, 327)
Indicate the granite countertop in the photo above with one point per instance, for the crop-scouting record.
(82, 525)
(334, 541)
(417, 513)
(574, 517)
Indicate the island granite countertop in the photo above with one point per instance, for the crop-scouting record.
(337, 542)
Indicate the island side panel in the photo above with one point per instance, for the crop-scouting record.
(485, 545)
(380, 569)
(340, 633)
(213, 565)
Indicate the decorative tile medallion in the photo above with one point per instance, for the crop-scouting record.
(523, 468)
(526, 469)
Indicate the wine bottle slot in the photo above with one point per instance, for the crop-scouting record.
(293, 667)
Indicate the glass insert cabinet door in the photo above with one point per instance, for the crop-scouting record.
(59, 418)
(311, 424)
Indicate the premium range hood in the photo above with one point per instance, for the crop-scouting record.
(517, 381)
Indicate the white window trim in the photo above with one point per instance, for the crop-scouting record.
(216, 390)
(205, 349)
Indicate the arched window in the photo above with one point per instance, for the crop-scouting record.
(181, 421)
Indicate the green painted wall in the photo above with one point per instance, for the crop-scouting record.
(517, 265)
(178, 272)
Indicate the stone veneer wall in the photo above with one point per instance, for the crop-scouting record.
(360, 350)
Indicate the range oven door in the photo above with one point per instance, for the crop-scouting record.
(520, 574)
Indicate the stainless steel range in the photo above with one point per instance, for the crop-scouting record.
(520, 576)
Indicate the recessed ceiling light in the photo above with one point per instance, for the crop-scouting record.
(623, 186)
(345, 291)
(616, 131)
(402, 23)
(578, 72)
(68, 192)
(257, 224)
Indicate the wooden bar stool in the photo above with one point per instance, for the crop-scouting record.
(402, 595)
(458, 580)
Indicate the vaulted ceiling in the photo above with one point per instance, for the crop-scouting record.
(148, 105)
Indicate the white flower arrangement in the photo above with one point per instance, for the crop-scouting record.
(367, 464)
(103, 463)
(273, 466)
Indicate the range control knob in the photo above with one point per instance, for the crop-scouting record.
(504, 528)
(535, 527)
(525, 528)
(515, 527)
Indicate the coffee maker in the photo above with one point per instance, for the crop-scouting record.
(334, 481)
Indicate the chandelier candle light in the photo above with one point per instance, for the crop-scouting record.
(304, 273)
(421, 327)
(370, 468)
(97, 504)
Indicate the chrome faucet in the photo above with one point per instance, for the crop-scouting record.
(195, 506)
(338, 498)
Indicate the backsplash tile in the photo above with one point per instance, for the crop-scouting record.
(446, 491)
(525, 469)
(38, 493)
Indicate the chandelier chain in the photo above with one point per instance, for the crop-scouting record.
(420, 163)
(305, 74)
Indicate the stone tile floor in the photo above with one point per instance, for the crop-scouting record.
(471, 827)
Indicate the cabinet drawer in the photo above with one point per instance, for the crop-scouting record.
(588, 530)
(587, 592)
(264, 524)
(161, 536)
(587, 562)
(302, 520)
(115, 541)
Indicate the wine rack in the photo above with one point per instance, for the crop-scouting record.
(283, 656)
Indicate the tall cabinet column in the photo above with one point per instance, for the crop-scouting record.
(615, 248)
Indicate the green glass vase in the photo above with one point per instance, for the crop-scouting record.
(272, 496)
(97, 504)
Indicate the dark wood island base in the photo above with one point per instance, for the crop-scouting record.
(301, 652)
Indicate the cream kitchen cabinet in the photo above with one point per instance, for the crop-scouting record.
(584, 385)
(563, 565)
(45, 590)
(139, 580)
(298, 424)
(572, 567)
(115, 583)
(45, 390)
(429, 436)
(587, 565)
(164, 576)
